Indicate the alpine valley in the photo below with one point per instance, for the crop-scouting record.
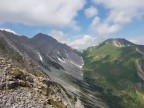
(40, 72)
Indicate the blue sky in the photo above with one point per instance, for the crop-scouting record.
(78, 23)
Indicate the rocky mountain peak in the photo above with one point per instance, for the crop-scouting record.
(118, 42)
(43, 37)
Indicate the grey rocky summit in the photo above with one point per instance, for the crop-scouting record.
(61, 63)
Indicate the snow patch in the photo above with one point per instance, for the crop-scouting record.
(66, 55)
(82, 61)
(58, 53)
(79, 66)
(40, 57)
(61, 60)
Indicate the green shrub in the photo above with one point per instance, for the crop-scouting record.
(2, 46)
(18, 74)
(56, 104)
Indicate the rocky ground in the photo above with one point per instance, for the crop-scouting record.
(21, 89)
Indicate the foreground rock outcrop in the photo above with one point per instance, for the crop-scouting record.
(21, 89)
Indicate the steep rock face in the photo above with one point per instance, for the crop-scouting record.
(23, 84)
(54, 58)
(59, 55)
(60, 62)
(44, 51)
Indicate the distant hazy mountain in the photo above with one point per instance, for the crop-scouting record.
(116, 68)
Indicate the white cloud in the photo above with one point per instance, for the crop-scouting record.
(79, 43)
(120, 13)
(59, 36)
(91, 12)
(55, 13)
(95, 22)
(105, 29)
(139, 41)
(83, 42)
(8, 30)
(121, 5)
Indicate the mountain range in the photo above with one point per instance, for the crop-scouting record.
(109, 75)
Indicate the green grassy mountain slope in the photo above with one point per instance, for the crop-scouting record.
(115, 68)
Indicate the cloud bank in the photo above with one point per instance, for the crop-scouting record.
(120, 13)
(91, 12)
(55, 13)
(79, 43)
